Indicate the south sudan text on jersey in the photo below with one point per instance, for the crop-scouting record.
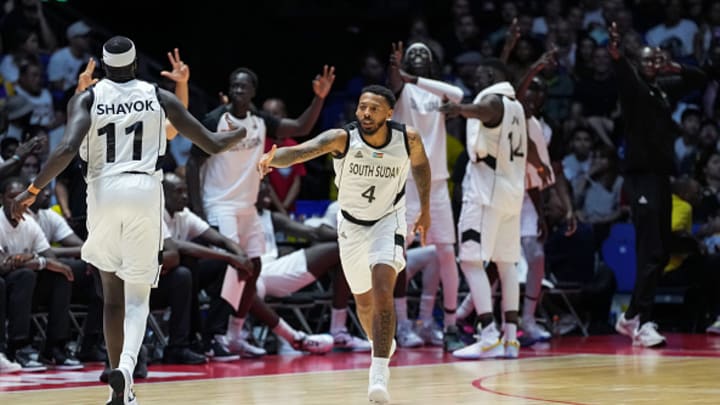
(374, 170)
(125, 108)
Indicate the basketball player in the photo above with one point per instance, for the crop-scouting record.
(118, 128)
(418, 99)
(372, 158)
(493, 189)
(223, 189)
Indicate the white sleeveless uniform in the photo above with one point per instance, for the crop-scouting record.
(125, 205)
(418, 107)
(230, 185)
(371, 195)
(494, 183)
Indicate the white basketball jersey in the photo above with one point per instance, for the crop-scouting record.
(418, 107)
(127, 130)
(495, 173)
(371, 181)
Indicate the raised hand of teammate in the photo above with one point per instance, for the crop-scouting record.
(85, 79)
(322, 83)
(180, 71)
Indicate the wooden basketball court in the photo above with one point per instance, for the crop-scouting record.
(595, 370)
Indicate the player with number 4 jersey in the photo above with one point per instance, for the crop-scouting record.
(372, 159)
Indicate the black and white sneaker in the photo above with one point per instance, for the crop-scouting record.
(218, 351)
(29, 359)
(120, 382)
(60, 359)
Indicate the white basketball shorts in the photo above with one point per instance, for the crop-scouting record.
(362, 247)
(245, 228)
(124, 221)
(442, 228)
(488, 234)
(284, 275)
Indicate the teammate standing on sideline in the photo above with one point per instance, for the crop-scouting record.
(223, 188)
(418, 100)
(493, 189)
(372, 158)
(647, 100)
(118, 127)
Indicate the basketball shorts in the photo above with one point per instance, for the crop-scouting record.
(362, 247)
(442, 228)
(124, 221)
(488, 234)
(284, 275)
(245, 228)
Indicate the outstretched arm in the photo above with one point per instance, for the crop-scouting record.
(489, 110)
(331, 141)
(303, 124)
(421, 173)
(191, 128)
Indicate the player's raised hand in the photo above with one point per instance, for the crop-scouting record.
(85, 79)
(323, 83)
(180, 71)
(263, 165)
(396, 56)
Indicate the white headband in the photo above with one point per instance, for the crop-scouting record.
(119, 59)
(421, 46)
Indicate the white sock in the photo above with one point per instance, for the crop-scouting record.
(338, 320)
(427, 304)
(479, 284)
(286, 331)
(465, 309)
(235, 327)
(137, 308)
(401, 309)
(380, 362)
(450, 279)
(510, 331)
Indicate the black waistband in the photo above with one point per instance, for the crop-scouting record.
(372, 222)
(489, 160)
(356, 221)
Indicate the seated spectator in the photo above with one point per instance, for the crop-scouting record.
(7, 366)
(576, 164)
(12, 166)
(686, 144)
(675, 33)
(599, 193)
(34, 277)
(86, 288)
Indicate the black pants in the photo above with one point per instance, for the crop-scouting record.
(87, 290)
(208, 275)
(53, 293)
(16, 292)
(651, 211)
(174, 290)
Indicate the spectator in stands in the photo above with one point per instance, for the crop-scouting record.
(22, 46)
(30, 85)
(29, 15)
(599, 194)
(65, 63)
(675, 33)
(34, 275)
(686, 144)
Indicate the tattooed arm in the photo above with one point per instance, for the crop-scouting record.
(421, 173)
(331, 141)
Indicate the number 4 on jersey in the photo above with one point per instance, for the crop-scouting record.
(369, 194)
(515, 151)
